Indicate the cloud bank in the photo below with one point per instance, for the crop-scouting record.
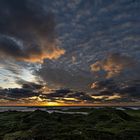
(99, 50)
(113, 65)
(27, 31)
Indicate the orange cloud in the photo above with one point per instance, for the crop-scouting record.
(55, 53)
(113, 65)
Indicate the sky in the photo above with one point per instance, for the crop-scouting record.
(69, 52)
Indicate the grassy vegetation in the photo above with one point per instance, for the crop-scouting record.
(99, 124)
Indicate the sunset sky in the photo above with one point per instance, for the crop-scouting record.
(69, 52)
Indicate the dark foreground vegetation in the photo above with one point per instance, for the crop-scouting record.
(99, 124)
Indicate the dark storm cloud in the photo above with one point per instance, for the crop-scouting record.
(108, 84)
(62, 95)
(28, 89)
(131, 90)
(58, 93)
(10, 48)
(18, 93)
(121, 77)
(116, 66)
(97, 33)
(128, 91)
(67, 95)
(27, 31)
(29, 85)
(81, 96)
(55, 77)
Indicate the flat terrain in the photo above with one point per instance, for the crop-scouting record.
(97, 124)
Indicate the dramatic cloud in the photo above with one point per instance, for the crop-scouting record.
(29, 85)
(113, 65)
(64, 78)
(17, 93)
(117, 92)
(21, 95)
(67, 96)
(90, 47)
(117, 75)
(32, 94)
(27, 31)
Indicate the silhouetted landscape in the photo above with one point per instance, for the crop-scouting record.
(95, 124)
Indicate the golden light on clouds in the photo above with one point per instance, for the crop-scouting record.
(107, 97)
(97, 97)
(51, 104)
(116, 96)
(94, 85)
(113, 65)
(54, 53)
(71, 99)
(45, 89)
